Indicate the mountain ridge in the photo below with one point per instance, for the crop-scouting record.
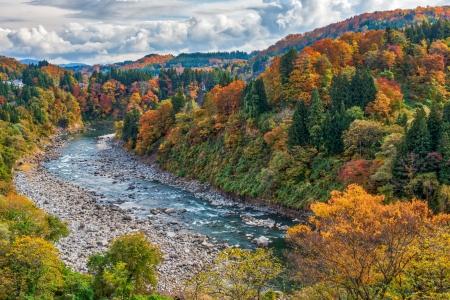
(373, 21)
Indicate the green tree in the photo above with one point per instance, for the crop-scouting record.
(362, 89)
(418, 138)
(178, 100)
(127, 268)
(255, 100)
(339, 91)
(446, 113)
(315, 120)
(130, 128)
(237, 274)
(298, 134)
(30, 269)
(410, 159)
(444, 150)
(287, 64)
(363, 137)
(434, 125)
(333, 129)
(402, 120)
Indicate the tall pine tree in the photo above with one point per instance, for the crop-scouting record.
(339, 91)
(287, 64)
(130, 126)
(255, 100)
(434, 126)
(418, 138)
(333, 128)
(402, 120)
(298, 134)
(444, 150)
(446, 113)
(315, 120)
(178, 101)
(362, 89)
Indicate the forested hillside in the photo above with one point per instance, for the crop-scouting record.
(368, 108)
(398, 18)
(348, 120)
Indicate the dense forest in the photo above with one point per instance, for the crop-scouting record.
(368, 108)
(352, 125)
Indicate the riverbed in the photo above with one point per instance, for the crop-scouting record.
(103, 191)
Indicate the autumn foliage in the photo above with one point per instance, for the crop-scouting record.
(361, 248)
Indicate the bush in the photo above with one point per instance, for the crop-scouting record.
(127, 268)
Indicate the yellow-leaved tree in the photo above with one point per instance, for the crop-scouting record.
(30, 267)
(236, 274)
(356, 247)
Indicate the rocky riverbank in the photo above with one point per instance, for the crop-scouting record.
(119, 163)
(93, 225)
(94, 221)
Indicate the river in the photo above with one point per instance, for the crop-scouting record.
(81, 163)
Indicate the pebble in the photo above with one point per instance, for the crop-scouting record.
(94, 225)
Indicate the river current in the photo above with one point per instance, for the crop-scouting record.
(79, 163)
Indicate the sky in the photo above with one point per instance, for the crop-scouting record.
(107, 31)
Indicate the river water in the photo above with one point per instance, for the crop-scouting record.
(80, 164)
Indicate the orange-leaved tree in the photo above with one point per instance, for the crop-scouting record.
(153, 125)
(356, 247)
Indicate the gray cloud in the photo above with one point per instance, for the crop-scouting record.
(128, 29)
(116, 10)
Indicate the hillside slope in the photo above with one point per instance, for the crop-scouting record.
(398, 18)
(351, 110)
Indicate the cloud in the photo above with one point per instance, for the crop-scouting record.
(116, 10)
(107, 41)
(293, 16)
(129, 29)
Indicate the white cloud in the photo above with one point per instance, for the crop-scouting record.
(112, 30)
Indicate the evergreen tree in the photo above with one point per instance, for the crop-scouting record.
(362, 89)
(287, 64)
(339, 91)
(333, 128)
(298, 134)
(388, 35)
(446, 113)
(255, 100)
(402, 120)
(434, 125)
(412, 152)
(315, 120)
(130, 126)
(26, 93)
(444, 150)
(418, 138)
(261, 92)
(178, 101)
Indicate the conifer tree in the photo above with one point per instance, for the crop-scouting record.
(444, 150)
(255, 101)
(261, 92)
(402, 120)
(315, 120)
(287, 64)
(362, 89)
(446, 113)
(298, 134)
(333, 128)
(434, 125)
(418, 138)
(130, 126)
(339, 91)
(412, 152)
(178, 101)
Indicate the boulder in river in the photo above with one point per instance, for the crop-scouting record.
(261, 241)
